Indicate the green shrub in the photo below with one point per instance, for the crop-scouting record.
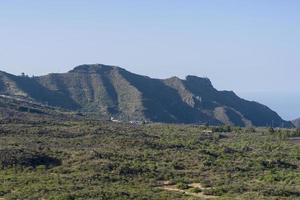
(65, 197)
(271, 130)
(195, 190)
(182, 186)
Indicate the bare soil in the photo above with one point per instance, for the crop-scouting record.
(173, 188)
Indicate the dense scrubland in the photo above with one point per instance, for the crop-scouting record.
(83, 159)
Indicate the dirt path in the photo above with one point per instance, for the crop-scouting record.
(173, 188)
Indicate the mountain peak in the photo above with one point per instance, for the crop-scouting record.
(198, 80)
(92, 68)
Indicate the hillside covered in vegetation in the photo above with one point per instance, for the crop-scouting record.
(77, 159)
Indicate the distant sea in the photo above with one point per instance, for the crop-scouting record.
(287, 105)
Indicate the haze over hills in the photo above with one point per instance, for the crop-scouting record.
(111, 91)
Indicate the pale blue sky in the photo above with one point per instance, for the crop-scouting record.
(249, 46)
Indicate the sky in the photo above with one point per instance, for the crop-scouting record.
(248, 46)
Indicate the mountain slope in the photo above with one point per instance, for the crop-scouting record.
(113, 91)
(17, 109)
(296, 123)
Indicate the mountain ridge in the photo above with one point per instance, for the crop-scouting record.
(111, 91)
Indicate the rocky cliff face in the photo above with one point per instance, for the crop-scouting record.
(113, 91)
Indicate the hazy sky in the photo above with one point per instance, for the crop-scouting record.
(249, 46)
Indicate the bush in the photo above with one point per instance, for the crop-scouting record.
(271, 130)
(195, 190)
(183, 186)
(65, 197)
(224, 129)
